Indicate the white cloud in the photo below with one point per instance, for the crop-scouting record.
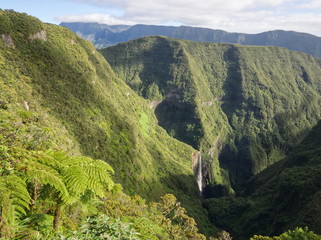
(310, 4)
(100, 18)
(248, 16)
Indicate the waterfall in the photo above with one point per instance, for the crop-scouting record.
(197, 169)
(199, 176)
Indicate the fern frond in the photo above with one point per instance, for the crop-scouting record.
(101, 172)
(103, 166)
(75, 180)
(45, 175)
(14, 198)
(45, 159)
(95, 174)
(19, 210)
(8, 211)
(77, 160)
(5, 202)
(19, 192)
(96, 187)
(57, 156)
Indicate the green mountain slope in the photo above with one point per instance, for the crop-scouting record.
(102, 35)
(283, 196)
(244, 107)
(57, 91)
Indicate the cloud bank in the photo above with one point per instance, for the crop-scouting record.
(249, 16)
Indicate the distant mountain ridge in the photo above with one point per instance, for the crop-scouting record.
(102, 35)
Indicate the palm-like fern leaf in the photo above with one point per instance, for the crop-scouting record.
(99, 176)
(70, 177)
(76, 181)
(84, 173)
(45, 175)
(14, 199)
(19, 192)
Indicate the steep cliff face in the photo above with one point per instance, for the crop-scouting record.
(245, 107)
(283, 196)
(57, 91)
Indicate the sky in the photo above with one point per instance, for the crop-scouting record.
(246, 16)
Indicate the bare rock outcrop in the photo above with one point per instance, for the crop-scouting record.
(8, 42)
(39, 35)
(207, 104)
(25, 105)
(155, 103)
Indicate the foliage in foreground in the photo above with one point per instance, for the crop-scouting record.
(46, 194)
(32, 178)
(132, 218)
(296, 234)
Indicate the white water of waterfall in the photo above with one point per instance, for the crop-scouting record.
(199, 177)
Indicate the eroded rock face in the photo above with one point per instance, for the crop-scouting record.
(207, 104)
(39, 35)
(180, 121)
(155, 103)
(195, 162)
(8, 42)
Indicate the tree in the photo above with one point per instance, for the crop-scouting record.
(65, 178)
(81, 175)
(175, 216)
(296, 234)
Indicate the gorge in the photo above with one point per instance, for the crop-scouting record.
(255, 94)
(221, 133)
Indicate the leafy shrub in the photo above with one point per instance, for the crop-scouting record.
(104, 227)
(296, 234)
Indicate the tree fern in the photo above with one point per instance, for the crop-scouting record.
(80, 175)
(45, 175)
(69, 179)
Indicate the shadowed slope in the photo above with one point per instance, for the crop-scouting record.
(245, 106)
(58, 87)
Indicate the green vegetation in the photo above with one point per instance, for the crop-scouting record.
(57, 92)
(32, 178)
(248, 108)
(46, 195)
(244, 107)
(296, 234)
(283, 196)
(68, 123)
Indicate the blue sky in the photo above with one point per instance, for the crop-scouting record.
(51, 10)
(249, 16)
